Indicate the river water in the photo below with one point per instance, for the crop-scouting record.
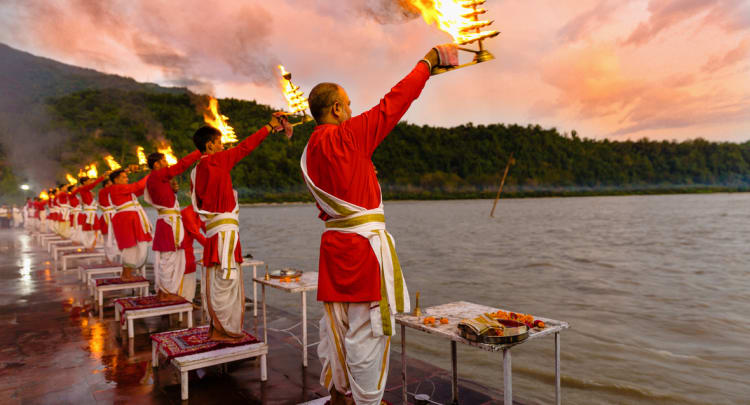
(656, 288)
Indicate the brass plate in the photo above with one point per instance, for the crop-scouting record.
(287, 272)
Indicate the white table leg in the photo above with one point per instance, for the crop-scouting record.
(263, 368)
(304, 329)
(189, 315)
(558, 396)
(100, 295)
(154, 355)
(255, 291)
(454, 364)
(403, 364)
(507, 378)
(179, 318)
(184, 384)
(265, 330)
(117, 313)
(131, 334)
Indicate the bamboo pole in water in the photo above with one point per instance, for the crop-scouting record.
(502, 182)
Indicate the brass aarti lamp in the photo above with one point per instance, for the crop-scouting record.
(295, 99)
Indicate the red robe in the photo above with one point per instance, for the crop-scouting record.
(339, 161)
(193, 226)
(60, 200)
(87, 197)
(127, 224)
(103, 197)
(161, 194)
(213, 188)
(73, 201)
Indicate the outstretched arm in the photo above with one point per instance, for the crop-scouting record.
(184, 163)
(368, 129)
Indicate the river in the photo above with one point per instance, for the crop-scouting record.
(656, 288)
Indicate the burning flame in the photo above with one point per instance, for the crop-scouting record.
(91, 171)
(44, 196)
(141, 156)
(72, 180)
(459, 18)
(213, 118)
(166, 150)
(295, 98)
(113, 165)
(82, 173)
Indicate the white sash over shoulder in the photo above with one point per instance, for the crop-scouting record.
(224, 224)
(171, 216)
(370, 224)
(135, 206)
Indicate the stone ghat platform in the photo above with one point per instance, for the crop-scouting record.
(54, 350)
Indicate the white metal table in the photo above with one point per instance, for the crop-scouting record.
(455, 312)
(308, 282)
(96, 254)
(139, 313)
(141, 286)
(255, 264)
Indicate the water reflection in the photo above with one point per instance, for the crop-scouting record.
(96, 344)
(25, 272)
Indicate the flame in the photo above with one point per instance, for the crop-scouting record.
(82, 173)
(72, 180)
(112, 163)
(141, 156)
(295, 98)
(213, 118)
(166, 150)
(44, 196)
(459, 18)
(91, 171)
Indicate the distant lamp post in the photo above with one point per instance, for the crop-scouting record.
(25, 187)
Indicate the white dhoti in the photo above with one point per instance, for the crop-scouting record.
(135, 256)
(225, 292)
(187, 290)
(353, 358)
(225, 299)
(169, 269)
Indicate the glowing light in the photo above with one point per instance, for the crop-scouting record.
(213, 118)
(141, 156)
(44, 196)
(91, 171)
(166, 150)
(456, 17)
(71, 180)
(25, 187)
(113, 165)
(295, 98)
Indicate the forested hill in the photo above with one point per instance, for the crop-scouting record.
(414, 161)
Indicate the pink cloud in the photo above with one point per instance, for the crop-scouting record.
(568, 64)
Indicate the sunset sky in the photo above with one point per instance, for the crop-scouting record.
(662, 69)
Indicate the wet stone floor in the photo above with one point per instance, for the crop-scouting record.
(54, 349)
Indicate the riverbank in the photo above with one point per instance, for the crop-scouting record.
(55, 350)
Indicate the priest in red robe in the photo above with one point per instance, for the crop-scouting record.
(130, 224)
(87, 217)
(169, 257)
(360, 280)
(216, 202)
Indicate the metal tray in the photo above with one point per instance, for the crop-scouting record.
(519, 332)
(286, 272)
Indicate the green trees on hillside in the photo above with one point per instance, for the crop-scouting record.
(414, 161)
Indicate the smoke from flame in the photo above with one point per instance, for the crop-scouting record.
(213, 118)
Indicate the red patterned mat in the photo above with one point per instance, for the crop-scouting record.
(117, 280)
(151, 301)
(192, 341)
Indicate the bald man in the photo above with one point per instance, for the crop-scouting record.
(360, 279)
